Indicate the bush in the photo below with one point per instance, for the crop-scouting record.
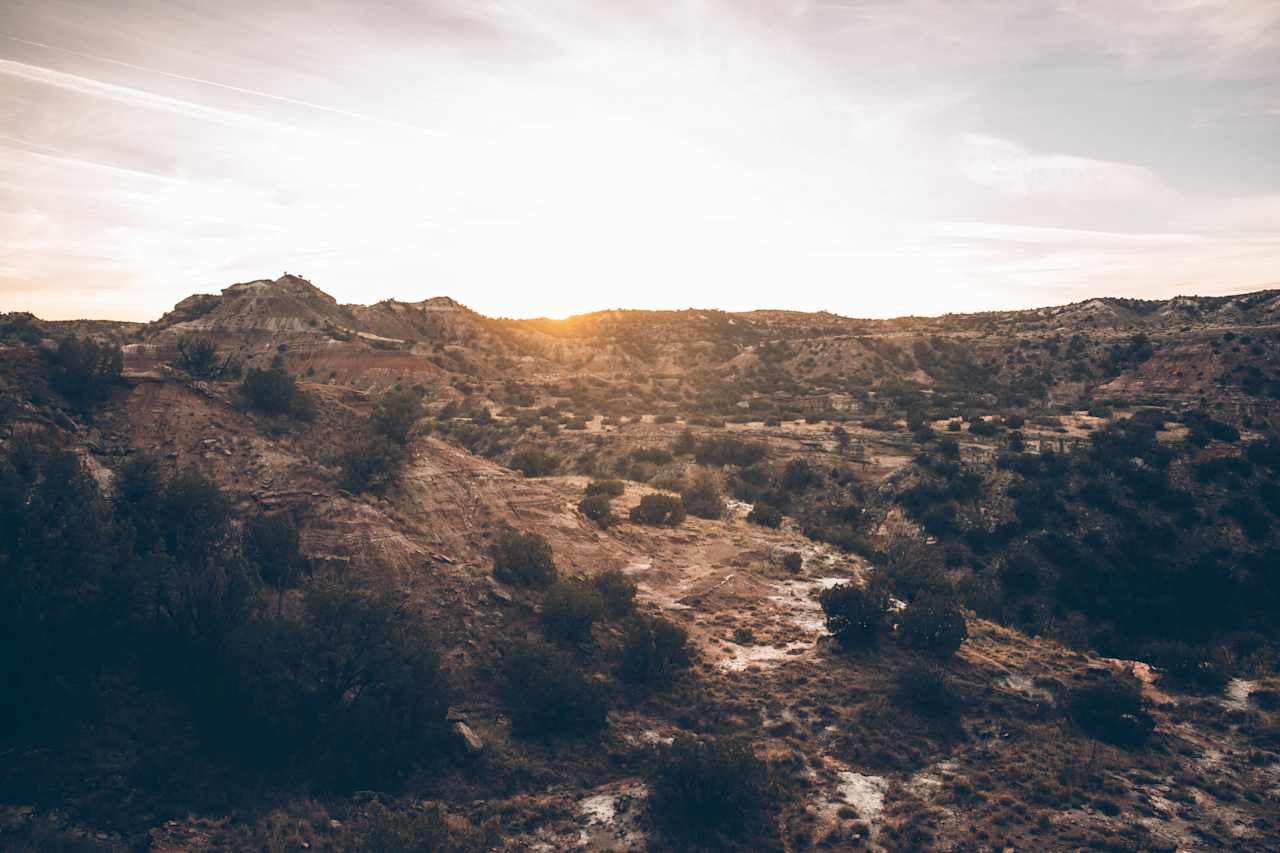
(275, 393)
(84, 371)
(798, 476)
(704, 789)
(703, 498)
(598, 509)
(524, 559)
(546, 693)
(534, 461)
(765, 516)
(1188, 666)
(370, 464)
(199, 357)
(396, 413)
(608, 488)
(271, 541)
(724, 450)
(652, 649)
(570, 609)
(924, 689)
(934, 624)
(792, 561)
(855, 614)
(651, 455)
(617, 591)
(1112, 710)
(657, 509)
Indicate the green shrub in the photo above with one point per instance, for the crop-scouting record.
(84, 371)
(395, 415)
(199, 357)
(765, 516)
(1112, 710)
(855, 614)
(703, 498)
(598, 509)
(608, 488)
(934, 624)
(658, 509)
(275, 393)
(703, 789)
(534, 461)
(652, 649)
(617, 590)
(524, 559)
(570, 609)
(546, 693)
(792, 561)
(370, 463)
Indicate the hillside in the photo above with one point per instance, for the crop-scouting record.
(1051, 534)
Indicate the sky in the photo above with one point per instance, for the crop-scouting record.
(527, 158)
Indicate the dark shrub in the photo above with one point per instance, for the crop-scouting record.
(608, 488)
(370, 463)
(657, 509)
(534, 461)
(275, 393)
(924, 689)
(546, 693)
(798, 476)
(704, 789)
(651, 455)
(653, 648)
(354, 690)
(702, 497)
(617, 590)
(1112, 710)
(765, 516)
(725, 450)
(855, 614)
(271, 541)
(934, 624)
(570, 609)
(396, 413)
(199, 357)
(792, 561)
(598, 509)
(84, 371)
(984, 428)
(524, 559)
(1188, 666)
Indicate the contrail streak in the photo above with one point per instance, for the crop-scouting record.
(283, 99)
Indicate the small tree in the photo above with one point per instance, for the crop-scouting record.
(653, 648)
(658, 509)
(765, 515)
(396, 413)
(84, 371)
(704, 789)
(792, 561)
(370, 463)
(702, 497)
(275, 393)
(855, 614)
(617, 590)
(598, 509)
(546, 693)
(570, 609)
(271, 541)
(199, 357)
(934, 624)
(524, 559)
